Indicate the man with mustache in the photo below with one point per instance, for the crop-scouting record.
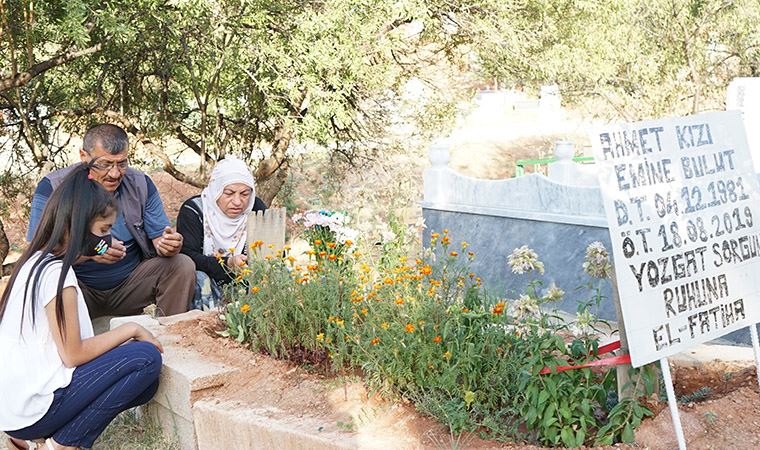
(141, 263)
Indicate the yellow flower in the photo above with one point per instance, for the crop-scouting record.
(231, 249)
(318, 242)
(454, 254)
(399, 301)
(287, 248)
(465, 245)
(339, 322)
(245, 308)
(271, 246)
(348, 243)
(365, 311)
(445, 231)
(447, 355)
(330, 244)
(332, 257)
(255, 290)
(384, 325)
(291, 259)
(320, 337)
(388, 280)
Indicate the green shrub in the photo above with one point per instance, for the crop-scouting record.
(425, 330)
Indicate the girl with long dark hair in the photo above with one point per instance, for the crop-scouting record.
(61, 385)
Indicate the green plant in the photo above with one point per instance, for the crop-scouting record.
(423, 329)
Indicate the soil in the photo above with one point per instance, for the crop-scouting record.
(719, 408)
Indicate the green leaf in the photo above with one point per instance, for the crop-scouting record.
(567, 436)
(627, 436)
(580, 436)
(542, 398)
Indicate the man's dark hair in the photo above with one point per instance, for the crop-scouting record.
(111, 138)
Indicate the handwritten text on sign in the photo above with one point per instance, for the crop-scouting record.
(682, 202)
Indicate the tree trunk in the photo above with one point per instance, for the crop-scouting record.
(273, 170)
(4, 244)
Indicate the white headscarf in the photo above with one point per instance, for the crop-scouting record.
(221, 232)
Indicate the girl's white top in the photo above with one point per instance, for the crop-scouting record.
(31, 368)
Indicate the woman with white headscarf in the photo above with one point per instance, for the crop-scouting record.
(214, 223)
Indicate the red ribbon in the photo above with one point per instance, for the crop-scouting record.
(609, 361)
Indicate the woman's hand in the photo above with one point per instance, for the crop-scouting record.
(141, 334)
(235, 262)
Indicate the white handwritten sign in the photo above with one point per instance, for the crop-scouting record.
(681, 199)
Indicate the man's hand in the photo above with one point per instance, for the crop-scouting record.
(169, 243)
(116, 252)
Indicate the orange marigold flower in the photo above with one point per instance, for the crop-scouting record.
(445, 240)
(445, 231)
(365, 311)
(255, 290)
(322, 254)
(375, 341)
(388, 280)
(332, 257)
(435, 235)
(291, 259)
(499, 308)
(418, 262)
(431, 291)
(409, 328)
(331, 244)
(348, 243)
(245, 308)
(399, 301)
(318, 242)
(311, 252)
(426, 270)
(437, 339)
(453, 254)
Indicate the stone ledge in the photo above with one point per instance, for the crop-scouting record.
(263, 429)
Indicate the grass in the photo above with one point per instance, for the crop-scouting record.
(130, 431)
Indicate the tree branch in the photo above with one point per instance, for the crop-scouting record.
(22, 78)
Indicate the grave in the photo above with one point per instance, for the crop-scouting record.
(557, 216)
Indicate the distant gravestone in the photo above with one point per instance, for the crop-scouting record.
(743, 94)
(268, 227)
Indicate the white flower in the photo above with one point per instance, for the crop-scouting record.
(387, 236)
(525, 306)
(583, 325)
(524, 260)
(597, 262)
(553, 294)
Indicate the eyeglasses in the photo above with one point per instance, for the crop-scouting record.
(107, 166)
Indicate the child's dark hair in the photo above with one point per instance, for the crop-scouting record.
(59, 236)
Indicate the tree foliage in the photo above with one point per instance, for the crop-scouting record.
(264, 79)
